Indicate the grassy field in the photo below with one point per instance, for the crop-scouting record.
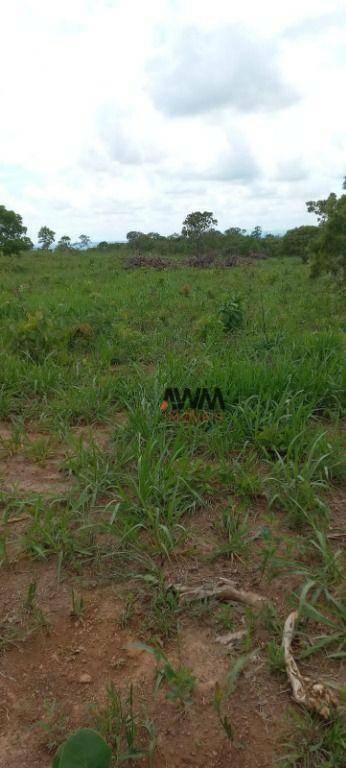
(107, 504)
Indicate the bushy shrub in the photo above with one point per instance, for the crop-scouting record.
(206, 326)
(231, 314)
(33, 335)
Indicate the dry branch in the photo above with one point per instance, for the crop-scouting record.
(223, 590)
(315, 696)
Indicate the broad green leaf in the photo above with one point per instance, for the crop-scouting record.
(85, 749)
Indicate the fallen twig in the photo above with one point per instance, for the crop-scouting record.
(223, 590)
(315, 696)
(20, 519)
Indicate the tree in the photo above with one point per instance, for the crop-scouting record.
(197, 225)
(155, 236)
(103, 244)
(84, 241)
(272, 244)
(323, 208)
(134, 237)
(298, 241)
(234, 231)
(46, 237)
(329, 248)
(256, 233)
(12, 233)
(64, 243)
(235, 241)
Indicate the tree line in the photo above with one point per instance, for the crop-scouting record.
(324, 244)
(46, 239)
(199, 233)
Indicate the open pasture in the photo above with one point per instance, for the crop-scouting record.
(108, 506)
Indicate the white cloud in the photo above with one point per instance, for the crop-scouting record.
(315, 25)
(228, 67)
(293, 169)
(128, 137)
(117, 114)
(230, 160)
(236, 163)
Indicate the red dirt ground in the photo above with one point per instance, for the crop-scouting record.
(48, 666)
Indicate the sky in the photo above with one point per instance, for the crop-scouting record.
(129, 114)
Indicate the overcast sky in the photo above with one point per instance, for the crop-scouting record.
(129, 114)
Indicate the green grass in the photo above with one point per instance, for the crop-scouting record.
(179, 680)
(130, 733)
(88, 343)
(315, 744)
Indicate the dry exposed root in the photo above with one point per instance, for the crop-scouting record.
(315, 696)
(223, 590)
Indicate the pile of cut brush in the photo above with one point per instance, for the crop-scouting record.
(202, 261)
(138, 260)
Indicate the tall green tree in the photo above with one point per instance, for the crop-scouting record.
(197, 225)
(235, 231)
(46, 238)
(298, 241)
(329, 248)
(64, 243)
(133, 237)
(13, 237)
(256, 233)
(84, 241)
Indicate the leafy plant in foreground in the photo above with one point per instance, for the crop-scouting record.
(329, 614)
(314, 744)
(276, 657)
(223, 719)
(131, 736)
(330, 567)
(181, 683)
(223, 693)
(234, 524)
(231, 314)
(295, 484)
(84, 749)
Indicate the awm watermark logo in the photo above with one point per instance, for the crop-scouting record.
(201, 399)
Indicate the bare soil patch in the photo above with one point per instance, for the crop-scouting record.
(49, 667)
(60, 671)
(23, 475)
